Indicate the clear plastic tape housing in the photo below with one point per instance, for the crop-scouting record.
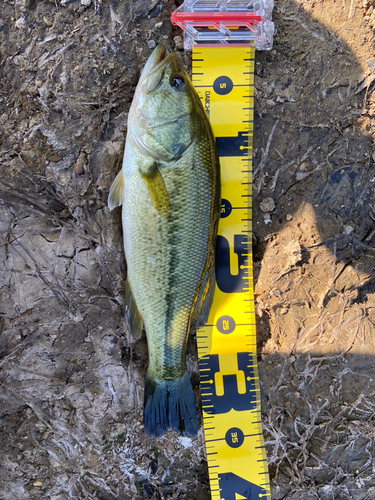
(238, 22)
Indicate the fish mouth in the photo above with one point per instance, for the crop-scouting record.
(157, 60)
(156, 57)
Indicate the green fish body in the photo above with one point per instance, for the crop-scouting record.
(169, 189)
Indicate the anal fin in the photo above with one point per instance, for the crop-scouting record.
(133, 317)
(202, 309)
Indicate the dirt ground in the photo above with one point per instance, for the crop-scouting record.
(71, 377)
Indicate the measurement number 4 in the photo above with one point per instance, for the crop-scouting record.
(232, 485)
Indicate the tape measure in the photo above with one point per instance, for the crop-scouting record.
(223, 77)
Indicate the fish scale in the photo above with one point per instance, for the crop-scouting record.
(153, 295)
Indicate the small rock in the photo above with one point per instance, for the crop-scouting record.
(348, 230)
(179, 42)
(151, 44)
(83, 156)
(267, 218)
(267, 205)
(289, 217)
(20, 23)
(302, 175)
(79, 168)
(37, 483)
(86, 3)
(47, 21)
(304, 166)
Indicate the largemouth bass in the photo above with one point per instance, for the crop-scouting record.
(169, 189)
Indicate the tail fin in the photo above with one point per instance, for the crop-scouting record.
(169, 404)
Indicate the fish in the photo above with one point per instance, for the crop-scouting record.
(169, 189)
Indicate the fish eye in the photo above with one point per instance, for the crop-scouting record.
(177, 81)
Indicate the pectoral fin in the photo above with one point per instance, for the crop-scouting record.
(156, 188)
(133, 317)
(116, 193)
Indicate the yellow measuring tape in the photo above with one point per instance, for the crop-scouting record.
(224, 78)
